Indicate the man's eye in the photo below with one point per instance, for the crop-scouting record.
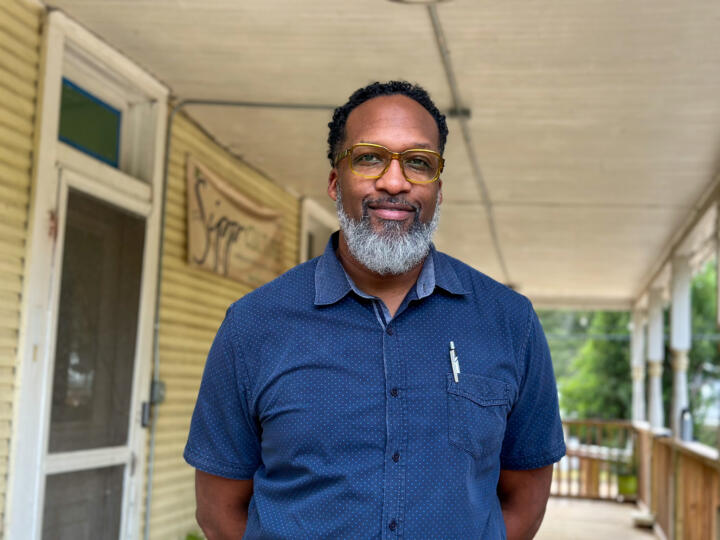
(419, 163)
(368, 159)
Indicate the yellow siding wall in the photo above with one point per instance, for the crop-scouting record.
(193, 304)
(19, 58)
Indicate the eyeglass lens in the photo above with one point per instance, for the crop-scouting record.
(418, 165)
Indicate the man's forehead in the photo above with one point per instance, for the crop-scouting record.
(383, 106)
(395, 113)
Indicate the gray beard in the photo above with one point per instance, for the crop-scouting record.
(392, 251)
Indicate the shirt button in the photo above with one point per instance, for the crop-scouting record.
(389, 330)
(394, 392)
(396, 457)
(393, 525)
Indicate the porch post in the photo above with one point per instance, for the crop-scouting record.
(680, 337)
(637, 364)
(655, 356)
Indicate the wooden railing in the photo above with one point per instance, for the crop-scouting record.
(681, 486)
(600, 461)
(676, 484)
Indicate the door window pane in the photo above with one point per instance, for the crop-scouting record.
(97, 325)
(84, 505)
(89, 124)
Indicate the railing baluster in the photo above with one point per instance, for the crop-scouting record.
(599, 452)
(570, 466)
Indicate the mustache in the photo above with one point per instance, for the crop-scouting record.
(399, 201)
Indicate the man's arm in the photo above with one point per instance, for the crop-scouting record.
(222, 505)
(523, 496)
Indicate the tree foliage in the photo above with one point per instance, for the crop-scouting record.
(566, 334)
(704, 365)
(599, 384)
(591, 356)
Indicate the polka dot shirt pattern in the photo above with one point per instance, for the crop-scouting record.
(352, 425)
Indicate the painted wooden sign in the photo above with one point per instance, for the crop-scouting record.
(228, 233)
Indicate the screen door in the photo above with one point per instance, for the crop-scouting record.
(89, 456)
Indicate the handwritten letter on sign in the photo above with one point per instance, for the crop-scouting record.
(229, 234)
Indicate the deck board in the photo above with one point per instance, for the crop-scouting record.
(573, 519)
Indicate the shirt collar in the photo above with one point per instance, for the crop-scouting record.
(332, 282)
(445, 275)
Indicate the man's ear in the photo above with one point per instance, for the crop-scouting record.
(440, 196)
(332, 184)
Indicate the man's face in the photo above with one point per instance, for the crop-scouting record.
(391, 201)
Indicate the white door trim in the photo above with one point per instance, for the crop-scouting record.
(310, 209)
(74, 160)
(87, 459)
(107, 192)
(28, 463)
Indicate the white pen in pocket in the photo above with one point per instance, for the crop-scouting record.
(454, 362)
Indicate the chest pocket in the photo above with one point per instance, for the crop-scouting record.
(477, 412)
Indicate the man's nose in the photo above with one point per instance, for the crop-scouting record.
(393, 181)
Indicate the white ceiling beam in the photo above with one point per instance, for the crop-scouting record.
(582, 303)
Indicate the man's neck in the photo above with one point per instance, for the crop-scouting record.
(391, 289)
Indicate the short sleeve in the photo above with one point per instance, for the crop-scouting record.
(223, 437)
(534, 435)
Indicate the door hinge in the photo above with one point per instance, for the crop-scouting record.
(145, 414)
(133, 463)
(157, 396)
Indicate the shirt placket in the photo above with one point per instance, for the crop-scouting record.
(396, 432)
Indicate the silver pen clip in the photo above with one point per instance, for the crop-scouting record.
(454, 362)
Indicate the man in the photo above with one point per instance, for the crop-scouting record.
(384, 389)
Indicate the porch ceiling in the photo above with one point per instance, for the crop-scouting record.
(596, 124)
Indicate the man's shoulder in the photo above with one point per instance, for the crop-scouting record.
(485, 289)
(493, 300)
(295, 287)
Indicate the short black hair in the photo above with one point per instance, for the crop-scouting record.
(377, 89)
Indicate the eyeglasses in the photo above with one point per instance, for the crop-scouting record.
(369, 160)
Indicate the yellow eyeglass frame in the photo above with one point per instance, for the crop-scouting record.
(393, 155)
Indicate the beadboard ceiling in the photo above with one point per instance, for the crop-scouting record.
(595, 124)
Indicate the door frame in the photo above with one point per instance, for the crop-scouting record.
(72, 461)
(36, 345)
(311, 210)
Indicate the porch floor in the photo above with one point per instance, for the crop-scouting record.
(576, 519)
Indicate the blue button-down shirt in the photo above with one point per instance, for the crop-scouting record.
(350, 422)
